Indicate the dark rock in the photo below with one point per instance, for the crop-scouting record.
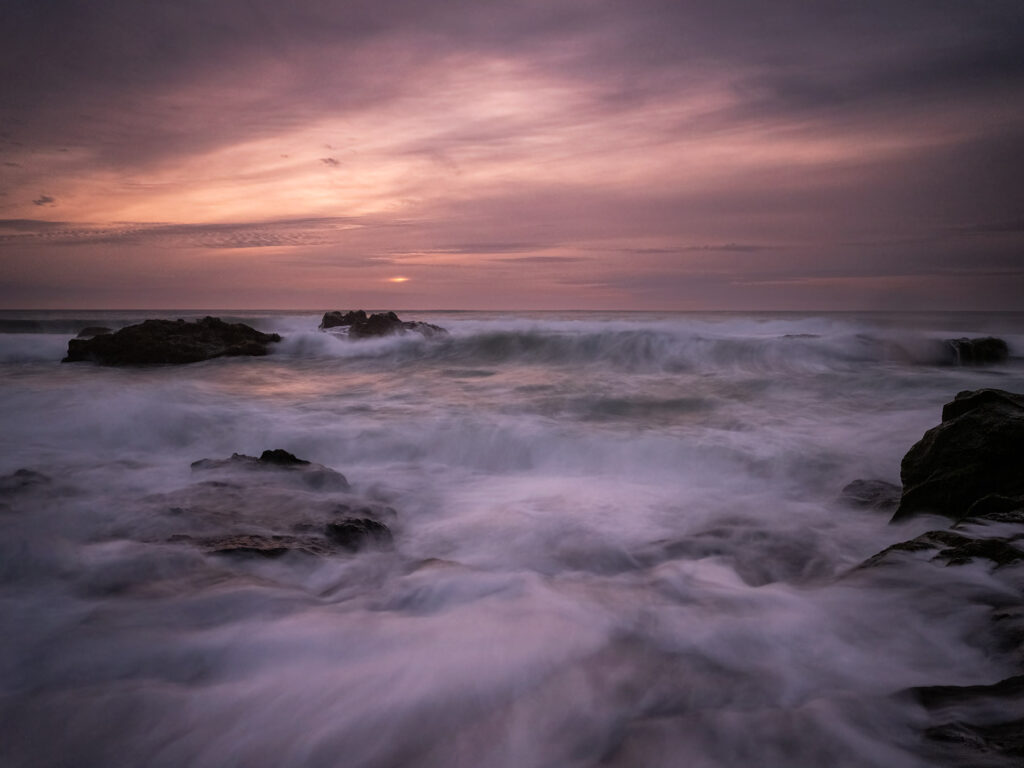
(23, 480)
(977, 450)
(254, 545)
(970, 400)
(955, 549)
(377, 324)
(316, 476)
(93, 330)
(980, 351)
(336, 319)
(281, 458)
(989, 727)
(170, 341)
(871, 494)
(354, 533)
(362, 326)
(998, 508)
(935, 696)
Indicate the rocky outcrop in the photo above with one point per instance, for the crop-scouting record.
(337, 319)
(362, 326)
(171, 341)
(954, 548)
(279, 461)
(977, 451)
(245, 507)
(985, 731)
(982, 351)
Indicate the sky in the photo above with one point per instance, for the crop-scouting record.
(522, 154)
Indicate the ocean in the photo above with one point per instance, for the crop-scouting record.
(618, 540)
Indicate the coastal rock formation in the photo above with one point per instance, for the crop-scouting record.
(970, 468)
(977, 451)
(336, 319)
(171, 341)
(246, 507)
(315, 476)
(981, 351)
(361, 326)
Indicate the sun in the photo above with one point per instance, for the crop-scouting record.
(398, 279)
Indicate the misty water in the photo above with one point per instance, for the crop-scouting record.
(617, 542)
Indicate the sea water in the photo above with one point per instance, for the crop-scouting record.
(618, 541)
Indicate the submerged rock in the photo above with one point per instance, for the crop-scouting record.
(171, 341)
(315, 476)
(989, 727)
(871, 494)
(980, 351)
(956, 548)
(23, 480)
(363, 326)
(255, 545)
(354, 533)
(976, 451)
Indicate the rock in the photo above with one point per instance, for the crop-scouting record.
(23, 480)
(377, 324)
(354, 533)
(315, 476)
(335, 319)
(361, 326)
(871, 494)
(980, 351)
(977, 450)
(93, 330)
(955, 549)
(995, 728)
(281, 458)
(170, 341)
(254, 545)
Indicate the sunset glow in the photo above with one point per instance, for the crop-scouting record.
(666, 157)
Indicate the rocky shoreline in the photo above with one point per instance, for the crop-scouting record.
(177, 342)
(969, 469)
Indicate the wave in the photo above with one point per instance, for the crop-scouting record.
(654, 349)
(659, 345)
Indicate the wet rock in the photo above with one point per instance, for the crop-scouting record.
(998, 508)
(985, 743)
(982, 351)
(989, 729)
(956, 548)
(977, 450)
(871, 494)
(354, 533)
(93, 330)
(336, 319)
(315, 476)
(281, 458)
(23, 480)
(254, 545)
(362, 326)
(172, 342)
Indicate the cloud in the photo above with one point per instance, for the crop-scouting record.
(539, 259)
(300, 232)
(655, 137)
